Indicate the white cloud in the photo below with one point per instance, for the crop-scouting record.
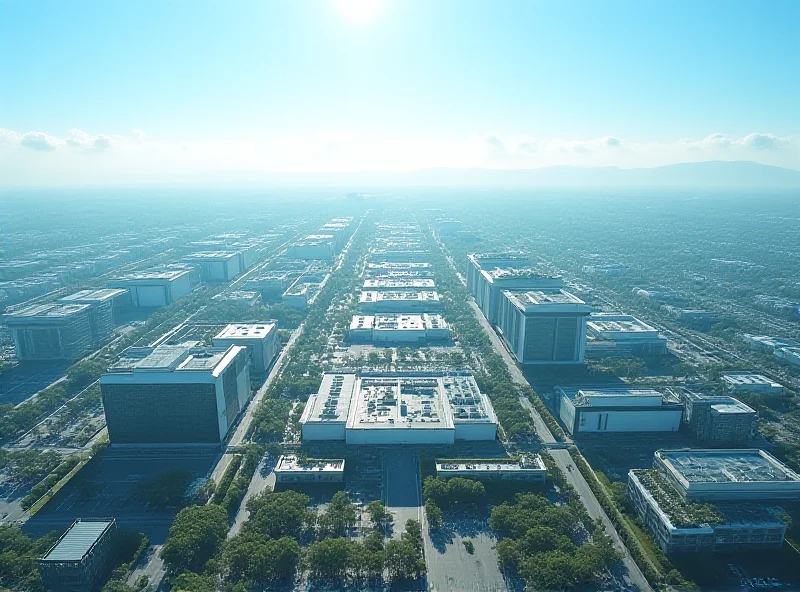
(40, 141)
(138, 156)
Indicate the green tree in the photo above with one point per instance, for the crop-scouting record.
(194, 537)
(378, 513)
(434, 514)
(192, 582)
(402, 560)
(256, 558)
(339, 518)
(329, 559)
(278, 514)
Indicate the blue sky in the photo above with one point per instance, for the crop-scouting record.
(113, 88)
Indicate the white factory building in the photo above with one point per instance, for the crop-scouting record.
(398, 328)
(149, 289)
(619, 410)
(216, 266)
(260, 339)
(416, 301)
(719, 501)
(387, 268)
(544, 326)
(314, 246)
(398, 284)
(101, 311)
(622, 335)
(175, 394)
(399, 255)
(751, 383)
(528, 467)
(375, 408)
(291, 469)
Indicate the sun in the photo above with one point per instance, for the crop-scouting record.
(359, 11)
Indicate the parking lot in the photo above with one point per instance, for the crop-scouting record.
(105, 488)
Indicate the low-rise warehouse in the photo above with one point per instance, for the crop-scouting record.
(290, 469)
(216, 266)
(400, 301)
(398, 328)
(528, 467)
(619, 410)
(751, 383)
(622, 335)
(395, 408)
(398, 284)
(81, 559)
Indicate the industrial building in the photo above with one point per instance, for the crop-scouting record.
(619, 410)
(417, 301)
(789, 355)
(314, 246)
(397, 284)
(399, 255)
(720, 420)
(713, 500)
(389, 267)
(544, 327)
(768, 344)
(101, 311)
(398, 408)
(260, 339)
(81, 559)
(290, 469)
(53, 331)
(297, 296)
(175, 394)
(149, 289)
(242, 298)
(618, 335)
(490, 275)
(398, 328)
(728, 474)
(216, 266)
(751, 383)
(528, 467)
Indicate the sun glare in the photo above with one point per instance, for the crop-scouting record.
(359, 11)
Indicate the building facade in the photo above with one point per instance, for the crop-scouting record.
(719, 420)
(150, 289)
(260, 339)
(53, 331)
(101, 311)
(82, 557)
(544, 327)
(175, 394)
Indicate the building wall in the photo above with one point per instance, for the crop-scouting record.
(82, 576)
(69, 340)
(323, 431)
(177, 413)
(400, 436)
(180, 287)
(476, 431)
(656, 420)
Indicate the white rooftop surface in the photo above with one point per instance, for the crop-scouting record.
(212, 255)
(618, 397)
(77, 541)
(603, 323)
(532, 463)
(52, 310)
(726, 466)
(393, 400)
(396, 265)
(395, 295)
(256, 331)
(398, 284)
(743, 379)
(156, 275)
(732, 406)
(543, 300)
(99, 295)
(291, 464)
(184, 357)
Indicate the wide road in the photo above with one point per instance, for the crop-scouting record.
(634, 578)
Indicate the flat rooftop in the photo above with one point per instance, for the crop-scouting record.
(726, 466)
(745, 379)
(398, 265)
(291, 464)
(530, 462)
(331, 404)
(238, 295)
(153, 275)
(514, 273)
(100, 295)
(183, 357)
(603, 323)
(543, 300)
(619, 397)
(212, 255)
(375, 296)
(50, 311)
(246, 331)
(77, 541)
(394, 283)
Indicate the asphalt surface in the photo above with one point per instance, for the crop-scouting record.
(402, 487)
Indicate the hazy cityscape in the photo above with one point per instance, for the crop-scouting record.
(385, 295)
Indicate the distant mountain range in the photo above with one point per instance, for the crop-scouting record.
(738, 174)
